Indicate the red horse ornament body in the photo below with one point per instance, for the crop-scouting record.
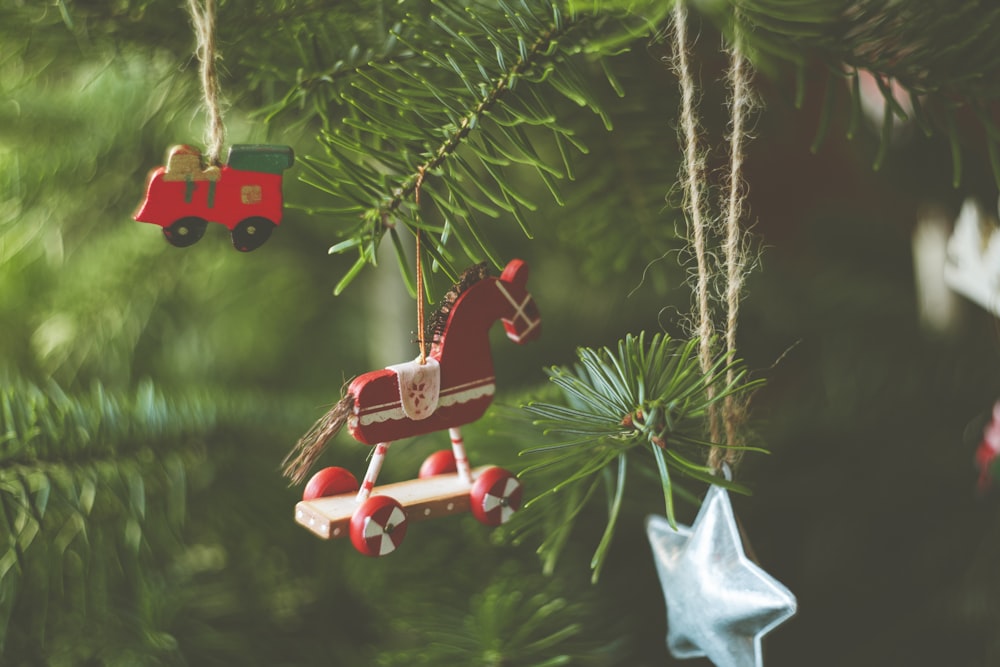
(453, 386)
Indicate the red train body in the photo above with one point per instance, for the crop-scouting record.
(244, 194)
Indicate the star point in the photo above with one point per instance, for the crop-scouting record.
(720, 604)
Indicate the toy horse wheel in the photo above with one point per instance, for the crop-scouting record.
(185, 231)
(440, 462)
(496, 495)
(251, 233)
(378, 526)
(328, 482)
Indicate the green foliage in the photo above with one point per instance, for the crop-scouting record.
(448, 112)
(620, 401)
(143, 526)
(100, 474)
(38, 426)
(945, 58)
(90, 488)
(529, 626)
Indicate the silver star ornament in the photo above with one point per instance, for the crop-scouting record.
(720, 604)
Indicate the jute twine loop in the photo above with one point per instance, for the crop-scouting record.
(203, 18)
(735, 254)
(700, 229)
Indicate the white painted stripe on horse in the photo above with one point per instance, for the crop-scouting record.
(531, 325)
(518, 307)
(374, 466)
(448, 391)
(396, 413)
(518, 312)
(458, 451)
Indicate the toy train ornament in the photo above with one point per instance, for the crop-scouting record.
(244, 194)
(453, 386)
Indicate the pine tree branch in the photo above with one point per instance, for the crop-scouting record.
(499, 626)
(636, 399)
(100, 480)
(78, 474)
(946, 57)
(49, 428)
(332, 76)
(502, 86)
(453, 114)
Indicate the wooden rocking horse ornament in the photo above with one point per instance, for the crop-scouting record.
(452, 386)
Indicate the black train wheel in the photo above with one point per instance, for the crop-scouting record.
(185, 231)
(251, 233)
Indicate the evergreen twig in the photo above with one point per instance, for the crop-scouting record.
(78, 473)
(640, 397)
(464, 110)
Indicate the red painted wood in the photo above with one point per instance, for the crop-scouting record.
(495, 496)
(439, 463)
(378, 526)
(328, 482)
(422, 499)
(164, 203)
(229, 197)
(467, 379)
(467, 388)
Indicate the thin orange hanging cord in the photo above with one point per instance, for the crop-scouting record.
(420, 275)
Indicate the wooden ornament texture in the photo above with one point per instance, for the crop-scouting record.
(428, 498)
(244, 195)
(462, 383)
(466, 363)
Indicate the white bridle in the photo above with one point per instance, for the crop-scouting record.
(518, 312)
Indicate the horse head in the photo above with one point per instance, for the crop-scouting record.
(521, 319)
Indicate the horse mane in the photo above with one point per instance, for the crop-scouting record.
(472, 275)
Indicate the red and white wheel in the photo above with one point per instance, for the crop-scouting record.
(378, 526)
(328, 482)
(440, 462)
(496, 495)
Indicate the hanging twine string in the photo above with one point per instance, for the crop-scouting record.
(692, 178)
(734, 246)
(203, 18)
(735, 254)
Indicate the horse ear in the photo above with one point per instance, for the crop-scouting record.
(516, 273)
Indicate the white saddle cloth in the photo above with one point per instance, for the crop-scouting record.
(419, 387)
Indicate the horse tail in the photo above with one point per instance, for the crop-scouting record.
(310, 446)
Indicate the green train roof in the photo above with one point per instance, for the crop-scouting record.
(268, 158)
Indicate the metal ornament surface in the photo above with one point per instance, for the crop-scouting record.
(719, 603)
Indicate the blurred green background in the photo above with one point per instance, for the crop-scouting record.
(149, 393)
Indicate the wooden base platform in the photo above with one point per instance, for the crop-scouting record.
(429, 498)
